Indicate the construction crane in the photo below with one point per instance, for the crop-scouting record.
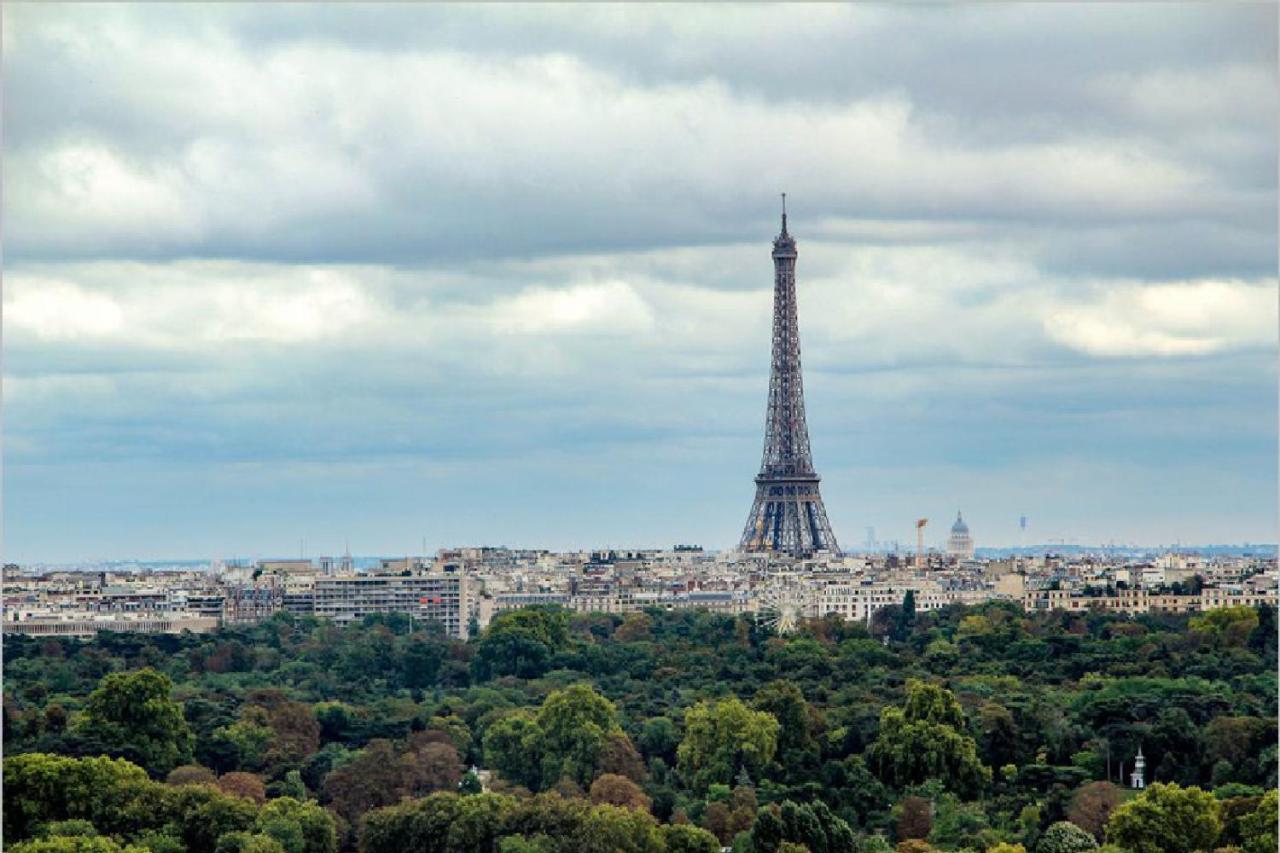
(920, 523)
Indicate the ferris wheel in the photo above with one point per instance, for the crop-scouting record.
(783, 606)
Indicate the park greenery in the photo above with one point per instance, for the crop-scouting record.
(969, 728)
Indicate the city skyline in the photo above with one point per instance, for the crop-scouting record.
(283, 273)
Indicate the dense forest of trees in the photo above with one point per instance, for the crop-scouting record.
(979, 728)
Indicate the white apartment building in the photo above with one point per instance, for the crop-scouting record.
(445, 598)
(859, 602)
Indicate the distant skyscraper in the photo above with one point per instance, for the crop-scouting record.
(960, 543)
(788, 516)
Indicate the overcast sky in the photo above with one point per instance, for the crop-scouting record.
(501, 274)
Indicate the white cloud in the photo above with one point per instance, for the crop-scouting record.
(1176, 319)
(54, 310)
(607, 308)
(184, 306)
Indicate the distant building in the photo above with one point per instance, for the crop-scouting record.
(285, 567)
(960, 543)
(427, 597)
(1143, 600)
(87, 624)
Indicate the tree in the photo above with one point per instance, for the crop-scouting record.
(72, 844)
(797, 750)
(512, 747)
(1236, 739)
(726, 818)
(241, 784)
(906, 616)
(191, 774)
(922, 741)
(659, 737)
(617, 830)
(40, 789)
(421, 662)
(1093, 805)
(336, 720)
(914, 845)
(1258, 830)
(200, 815)
(521, 642)
(249, 737)
(723, 737)
(1000, 735)
(133, 716)
(433, 767)
(295, 734)
(618, 755)
(1064, 837)
(635, 627)
(478, 822)
(1166, 819)
(419, 825)
(915, 817)
(619, 791)
(375, 777)
(247, 842)
(300, 827)
(811, 825)
(573, 725)
(679, 838)
(1226, 626)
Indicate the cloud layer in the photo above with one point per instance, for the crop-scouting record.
(482, 274)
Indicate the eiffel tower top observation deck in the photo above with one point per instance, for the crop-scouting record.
(787, 516)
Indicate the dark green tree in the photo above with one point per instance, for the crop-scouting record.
(923, 740)
(133, 715)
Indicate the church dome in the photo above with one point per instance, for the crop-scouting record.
(959, 526)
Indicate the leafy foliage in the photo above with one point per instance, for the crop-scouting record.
(962, 728)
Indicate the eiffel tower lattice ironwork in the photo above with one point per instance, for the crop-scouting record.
(787, 516)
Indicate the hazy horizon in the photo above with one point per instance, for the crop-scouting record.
(502, 273)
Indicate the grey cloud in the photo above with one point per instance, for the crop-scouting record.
(1009, 115)
(503, 271)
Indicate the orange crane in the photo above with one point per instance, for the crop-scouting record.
(920, 523)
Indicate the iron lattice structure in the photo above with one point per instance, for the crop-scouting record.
(787, 516)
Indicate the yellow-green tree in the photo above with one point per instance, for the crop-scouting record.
(1228, 626)
(722, 738)
(1259, 828)
(1166, 819)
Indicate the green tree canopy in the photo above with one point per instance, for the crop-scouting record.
(722, 738)
(1064, 837)
(1166, 819)
(572, 727)
(133, 716)
(521, 642)
(923, 741)
(1259, 829)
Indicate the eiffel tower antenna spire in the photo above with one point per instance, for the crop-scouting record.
(787, 515)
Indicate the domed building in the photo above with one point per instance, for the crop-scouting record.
(960, 543)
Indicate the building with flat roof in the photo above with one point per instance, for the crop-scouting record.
(444, 598)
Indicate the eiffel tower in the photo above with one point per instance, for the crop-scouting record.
(787, 516)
